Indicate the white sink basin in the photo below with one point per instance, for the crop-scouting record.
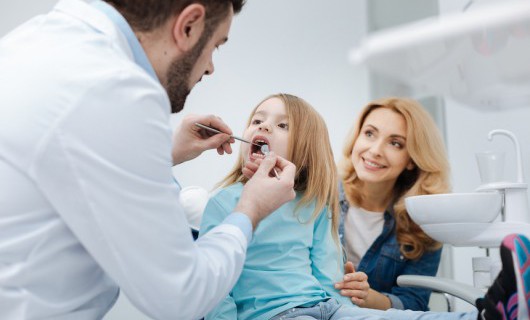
(476, 207)
(486, 235)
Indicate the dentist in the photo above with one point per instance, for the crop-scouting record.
(88, 204)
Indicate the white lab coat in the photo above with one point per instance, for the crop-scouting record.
(87, 201)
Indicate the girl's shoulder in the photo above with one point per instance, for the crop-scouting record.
(230, 193)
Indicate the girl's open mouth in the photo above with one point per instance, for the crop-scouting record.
(258, 143)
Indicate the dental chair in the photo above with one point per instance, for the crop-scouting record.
(193, 200)
(444, 286)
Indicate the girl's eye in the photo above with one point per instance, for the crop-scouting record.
(256, 121)
(284, 126)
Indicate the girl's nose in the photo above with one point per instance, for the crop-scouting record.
(264, 126)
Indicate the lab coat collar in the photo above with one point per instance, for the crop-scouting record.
(109, 21)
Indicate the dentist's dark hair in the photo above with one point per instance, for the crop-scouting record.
(147, 15)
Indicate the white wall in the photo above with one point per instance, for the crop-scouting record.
(13, 13)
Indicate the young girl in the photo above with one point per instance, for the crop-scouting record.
(293, 259)
(394, 151)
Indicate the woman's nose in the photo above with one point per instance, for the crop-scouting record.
(376, 148)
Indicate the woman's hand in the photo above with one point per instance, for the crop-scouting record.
(354, 285)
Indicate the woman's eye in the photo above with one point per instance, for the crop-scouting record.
(368, 133)
(396, 144)
(283, 125)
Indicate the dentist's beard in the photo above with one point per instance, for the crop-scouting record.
(178, 75)
(177, 82)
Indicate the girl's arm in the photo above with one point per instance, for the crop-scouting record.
(214, 213)
(326, 259)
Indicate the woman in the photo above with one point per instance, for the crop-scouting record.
(394, 151)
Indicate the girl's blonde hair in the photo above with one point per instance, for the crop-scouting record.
(430, 175)
(310, 150)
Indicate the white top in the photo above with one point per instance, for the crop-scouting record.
(87, 198)
(363, 228)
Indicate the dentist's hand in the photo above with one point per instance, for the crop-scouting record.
(252, 166)
(189, 141)
(264, 193)
(354, 285)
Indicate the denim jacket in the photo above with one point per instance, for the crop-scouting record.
(383, 263)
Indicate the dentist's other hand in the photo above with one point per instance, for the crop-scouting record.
(189, 141)
(354, 285)
(252, 166)
(264, 193)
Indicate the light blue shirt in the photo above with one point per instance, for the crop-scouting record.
(291, 261)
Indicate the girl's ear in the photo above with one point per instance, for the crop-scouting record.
(189, 26)
(411, 165)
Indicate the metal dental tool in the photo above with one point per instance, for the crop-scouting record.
(264, 148)
(265, 151)
(217, 131)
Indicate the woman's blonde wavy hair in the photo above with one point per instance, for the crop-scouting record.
(310, 150)
(430, 175)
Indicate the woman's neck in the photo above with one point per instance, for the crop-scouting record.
(376, 197)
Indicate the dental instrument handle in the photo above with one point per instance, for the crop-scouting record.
(265, 150)
(518, 154)
(276, 173)
(217, 131)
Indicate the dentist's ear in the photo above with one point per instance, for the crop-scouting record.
(189, 26)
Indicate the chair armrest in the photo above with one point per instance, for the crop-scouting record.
(463, 291)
